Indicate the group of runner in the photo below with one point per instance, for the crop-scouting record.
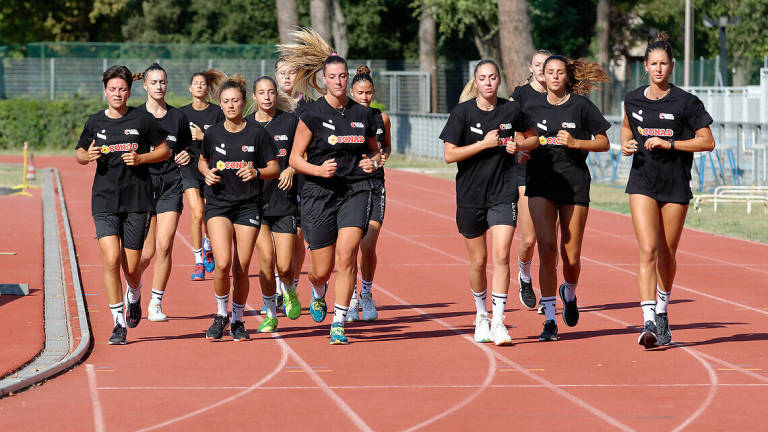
(297, 171)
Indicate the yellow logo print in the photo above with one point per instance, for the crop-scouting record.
(333, 139)
(104, 149)
(220, 165)
(542, 140)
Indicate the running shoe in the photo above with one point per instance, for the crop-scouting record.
(662, 325)
(155, 312)
(527, 296)
(353, 313)
(482, 328)
(238, 332)
(118, 335)
(269, 325)
(280, 305)
(540, 308)
(199, 273)
(499, 332)
(369, 307)
(648, 337)
(208, 260)
(216, 330)
(550, 331)
(318, 309)
(292, 306)
(132, 311)
(337, 334)
(570, 309)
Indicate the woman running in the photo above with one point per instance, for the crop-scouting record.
(122, 141)
(277, 235)
(479, 137)
(339, 137)
(534, 88)
(234, 155)
(558, 179)
(663, 125)
(363, 92)
(167, 191)
(201, 114)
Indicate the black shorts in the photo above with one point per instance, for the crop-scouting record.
(246, 213)
(560, 191)
(324, 211)
(280, 224)
(168, 194)
(520, 170)
(474, 222)
(191, 178)
(132, 228)
(378, 200)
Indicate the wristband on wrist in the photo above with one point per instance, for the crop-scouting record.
(671, 144)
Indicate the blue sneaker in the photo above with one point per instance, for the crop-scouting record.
(199, 273)
(318, 309)
(337, 334)
(208, 259)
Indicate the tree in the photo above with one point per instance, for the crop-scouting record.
(427, 43)
(478, 16)
(515, 38)
(287, 19)
(602, 45)
(319, 12)
(339, 24)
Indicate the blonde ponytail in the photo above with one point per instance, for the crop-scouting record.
(469, 92)
(307, 57)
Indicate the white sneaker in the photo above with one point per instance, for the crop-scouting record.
(353, 313)
(155, 312)
(482, 328)
(499, 332)
(369, 308)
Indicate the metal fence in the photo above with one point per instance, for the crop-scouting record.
(740, 156)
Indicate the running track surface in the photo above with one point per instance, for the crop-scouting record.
(417, 367)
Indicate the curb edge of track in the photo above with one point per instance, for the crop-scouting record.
(10, 384)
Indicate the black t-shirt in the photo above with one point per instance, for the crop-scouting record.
(228, 151)
(301, 105)
(380, 134)
(579, 116)
(282, 128)
(117, 187)
(341, 135)
(663, 173)
(179, 138)
(487, 178)
(525, 94)
(203, 119)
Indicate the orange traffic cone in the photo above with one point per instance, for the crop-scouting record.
(31, 168)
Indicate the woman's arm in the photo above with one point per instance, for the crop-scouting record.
(160, 153)
(300, 143)
(628, 143)
(703, 141)
(598, 144)
(453, 153)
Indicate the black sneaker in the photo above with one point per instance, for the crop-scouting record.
(237, 331)
(118, 335)
(216, 330)
(132, 313)
(280, 306)
(550, 331)
(570, 309)
(648, 337)
(527, 296)
(662, 326)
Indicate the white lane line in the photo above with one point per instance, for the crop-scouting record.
(438, 387)
(98, 416)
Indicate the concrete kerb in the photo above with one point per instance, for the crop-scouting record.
(55, 356)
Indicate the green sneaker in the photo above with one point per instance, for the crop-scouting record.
(292, 304)
(269, 325)
(337, 334)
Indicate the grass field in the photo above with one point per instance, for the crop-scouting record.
(731, 220)
(10, 176)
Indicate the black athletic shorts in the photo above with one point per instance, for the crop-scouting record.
(191, 178)
(132, 228)
(378, 200)
(520, 174)
(168, 194)
(325, 210)
(280, 224)
(474, 222)
(245, 213)
(559, 191)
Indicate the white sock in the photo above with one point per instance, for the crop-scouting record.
(480, 300)
(339, 313)
(279, 286)
(157, 296)
(271, 304)
(525, 270)
(662, 300)
(366, 287)
(570, 291)
(549, 307)
(319, 292)
(118, 315)
(499, 303)
(221, 304)
(354, 292)
(237, 311)
(206, 243)
(134, 294)
(198, 255)
(649, 311)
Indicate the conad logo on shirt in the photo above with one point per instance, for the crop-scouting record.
(346, 139)
(655, 132)
(550, 140)
(124, 147)
(221, 165)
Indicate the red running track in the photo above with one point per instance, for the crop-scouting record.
(417, 367)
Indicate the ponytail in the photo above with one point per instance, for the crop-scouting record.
(308, 56)
(213, 79)
(470, 90)
(363, 74)
(583, 75)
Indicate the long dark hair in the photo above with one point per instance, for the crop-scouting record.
(583, 75)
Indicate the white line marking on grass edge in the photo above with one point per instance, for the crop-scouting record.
(98, 417)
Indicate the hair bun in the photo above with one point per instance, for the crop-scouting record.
(138, 76)
(661, 36)
(363, 70)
